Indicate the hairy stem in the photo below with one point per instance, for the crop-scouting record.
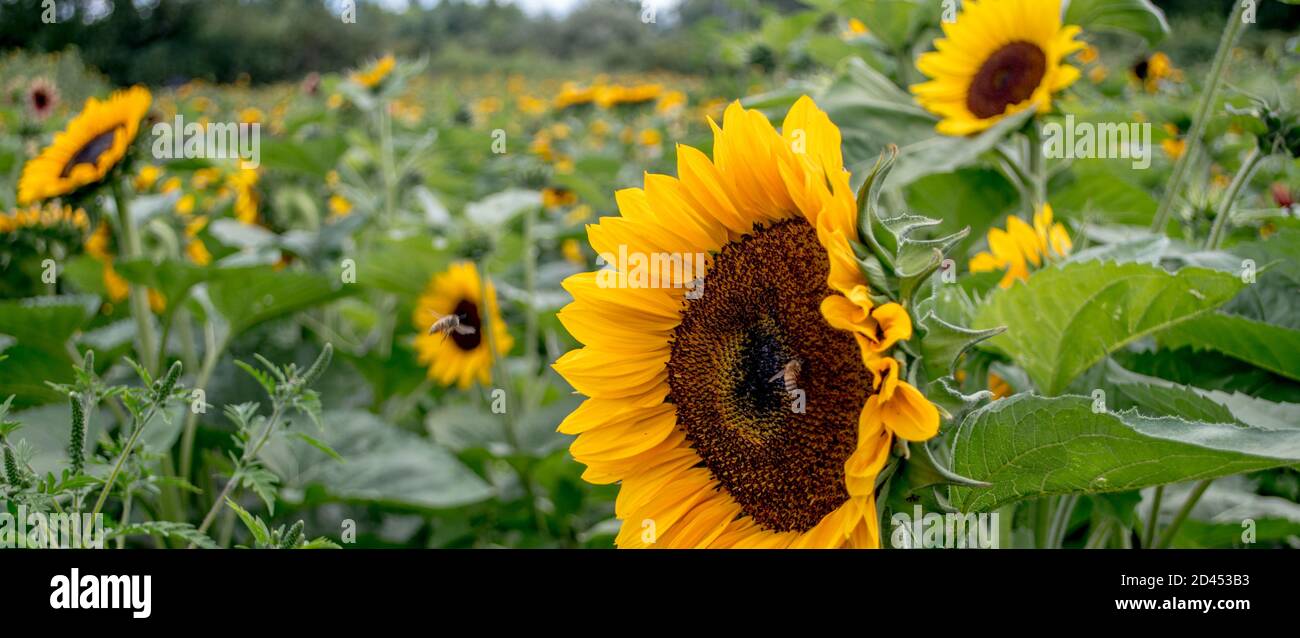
(1220, 227)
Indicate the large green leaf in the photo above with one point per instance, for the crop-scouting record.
(1139, 17)
(1028, 446)
(38, 332)
(247, 296)
(1270, 347)
(382, 464)
(1066, 318)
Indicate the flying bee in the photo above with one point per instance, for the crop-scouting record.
(447, 324)
(789, 375)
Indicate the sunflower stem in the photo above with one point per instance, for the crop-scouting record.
(1220, 227)
(1231, 33)
(1037, 168)
(137, 294)
(1152, 518)
(1167, 536)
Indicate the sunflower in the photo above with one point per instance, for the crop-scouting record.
(571, 95)
(758, 409)
(459, 357)
(998, 58)
(374, 75)
(42, 97)
(1019, 246)
(47, 217)
(93, 143)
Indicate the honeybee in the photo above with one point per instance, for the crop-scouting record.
(789, 375)
(448, 324)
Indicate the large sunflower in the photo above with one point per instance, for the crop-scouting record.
(459, 357)
(94, 142)
(998, 58)
(688, 404)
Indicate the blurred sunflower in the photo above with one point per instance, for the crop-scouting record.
(375, 74)
(571, 95)
(42, 97)
(1019, 246)
(687, 404)
(94, 142)
(1151, 71)
(45, 217)
(459, 358)
(98, 247)
(999, 58)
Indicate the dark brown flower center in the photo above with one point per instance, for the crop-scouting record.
(89, 154)
(761, 310)
(40, 99)
(1007, 77)
(468, 313)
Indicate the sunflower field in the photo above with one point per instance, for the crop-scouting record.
(771, 274)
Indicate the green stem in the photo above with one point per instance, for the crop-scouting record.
(1061, 520)
(501, 380)
(249, 454)
(1220, 228)
(121, 458)
(1154, 517)
(139, 298)
(1193, 498)
(1037, 167)
(1231, 33)
(210, 360)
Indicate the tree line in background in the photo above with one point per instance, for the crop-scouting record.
(161, 42)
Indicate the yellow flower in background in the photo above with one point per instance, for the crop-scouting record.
(157, 301)
(1088, 54)
(1097, 74)
(670, 102)
(613, 95)
(1153, 70)
(93, 143)
(251, 115)
(459, 357)
(572, 251)
(999, 58)
(650, 137)
(855, 29)
(185, 205)
(332, 179)
(244, 181)
(97, 246)
(146, 177)
(374, 75)
(1018, 247)
(486, 106)
(47, 216)
(687, 406)
(564, 165)
(334, 101)
(558, 196)
(172, 185)
(339, 206)
(577, 215)
(531, 105)
(999, 386)
(195, 249)
(571, 95)
(205, 177)
(1173, 146)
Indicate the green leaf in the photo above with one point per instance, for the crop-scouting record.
(46, 323)
(943, 343)
(250, 295)
(169, 529)
(1263, 345)
(261, 534)
(173, 278)
(1027, 446)
(1066, 318)
(1138, 17)
(314, 157)
(385, 465)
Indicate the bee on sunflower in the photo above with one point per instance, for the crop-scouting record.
(764, 411)
(460, 352)
(94, 143)
(1000, 57)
